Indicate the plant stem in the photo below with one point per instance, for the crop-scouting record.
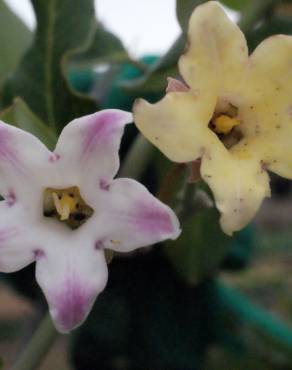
(170, 182)
(265, 323)
(137, 158)
(39, 345)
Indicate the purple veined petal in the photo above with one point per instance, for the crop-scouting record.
(89, 146)
(130, 217)
(19, 241)
(71, 277)
(23, 160)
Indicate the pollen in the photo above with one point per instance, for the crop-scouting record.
(66, 205)
(223, 124)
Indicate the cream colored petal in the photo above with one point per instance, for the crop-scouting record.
(217, 52)
(177, 124)
(268, 115)
(239, 185)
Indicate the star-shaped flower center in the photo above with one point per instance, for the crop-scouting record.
(66, 205)
(226, 123)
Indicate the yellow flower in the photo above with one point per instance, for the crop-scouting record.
(236, 116)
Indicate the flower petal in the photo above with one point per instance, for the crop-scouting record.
(22, 161)
(132, 218)
(71, 273)
(217, 53)
(18, 240)
(88, 146)
(239, 185)
(177, 125)
(268, 116)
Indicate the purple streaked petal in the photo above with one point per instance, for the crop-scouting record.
(71, 278)
(17, 239)
(89, 146)
(71, 302)
(101, 128)
(22, 160)
(8, 153)
(132, 218)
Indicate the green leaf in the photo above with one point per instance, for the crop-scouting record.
(21, 116)
(269, 27)
(201, 247)
(154, 79)
(184, 9)
(63, 27)
(15, 38)
(236, 4)
(105, 47)
(147, 318)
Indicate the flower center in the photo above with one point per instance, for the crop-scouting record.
(225, 123)
(66, 205)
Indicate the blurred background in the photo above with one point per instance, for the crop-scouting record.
(213, 302)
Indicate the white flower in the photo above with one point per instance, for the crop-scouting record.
(63, 208)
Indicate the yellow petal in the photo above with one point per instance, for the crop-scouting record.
(217, 52)
(239, 185)
(177, 124)
(268, 115)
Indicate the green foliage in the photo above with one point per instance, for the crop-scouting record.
(200, 249)
(184, 9)
(40, 80)
(19, 115)
(147, 318)
(269, 27)
(15, 37)
(105, 47)
(154, 79)
(236, 4)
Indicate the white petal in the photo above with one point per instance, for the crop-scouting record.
(22, 164)
(129, 217)
(19, 241)
(71, 273)
(88, 147)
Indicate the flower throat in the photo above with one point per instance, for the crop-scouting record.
(66, 205)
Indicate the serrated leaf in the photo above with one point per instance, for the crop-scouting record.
(21, 116)
(200, 249)
(63, 26)
(15, 38)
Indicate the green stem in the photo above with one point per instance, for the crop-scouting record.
(169, 184)
(137, 158)
(253, 12)
(231, 300)
(39, 345)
